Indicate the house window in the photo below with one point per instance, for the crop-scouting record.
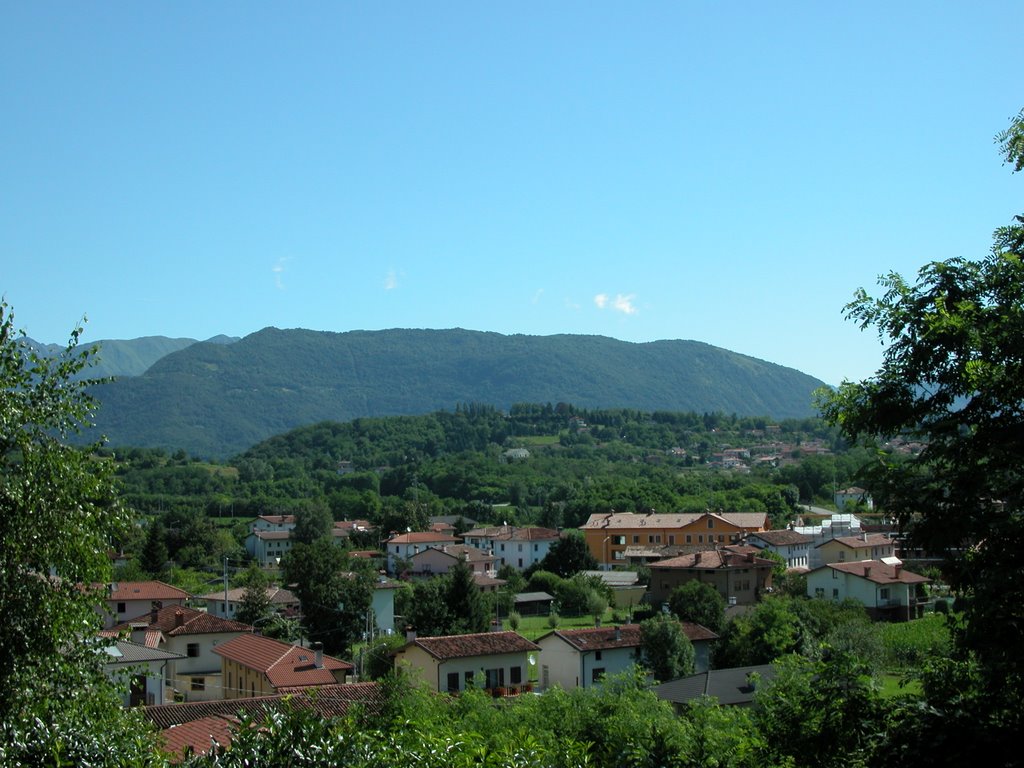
(515, 675)
(619, 554)
(819, 591)
(884, 593)
(520, 547)
(689, 539)
(700, 539)
(650, 539)
(711, 522)
(596, 674)
(671, 539)
(121, 608)
(597, 656)
(193, 650)
(657, 539)
(842, 556)
(636, 539)
(721, 537)
(453, 682)
(468, 679)
(198, 683)
(495, 677)
(835, 593)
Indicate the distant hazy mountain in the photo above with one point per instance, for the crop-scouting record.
(218, 399)
(128, 357)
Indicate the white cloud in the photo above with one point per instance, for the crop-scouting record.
(537, 295)
(624, 304)
(621, 303)
(279, 269)
(391, 280)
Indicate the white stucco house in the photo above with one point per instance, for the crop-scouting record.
(580, 658)
(887, 591)
(511, 545)
(495, 661)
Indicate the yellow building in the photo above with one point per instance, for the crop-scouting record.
(252, 665)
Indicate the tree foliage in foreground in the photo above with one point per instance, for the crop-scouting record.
(58, 514)
(952, 380)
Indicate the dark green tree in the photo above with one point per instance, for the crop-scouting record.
(58, 515)
(772, 629)
(952, 380)
(334, 593)
(465, 603)
(255, 604)
(154, 556)
(700, 603)
(312, 521)
(569, 555)
(664, 649)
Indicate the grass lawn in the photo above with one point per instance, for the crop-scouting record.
(532, 627)
(891, 687)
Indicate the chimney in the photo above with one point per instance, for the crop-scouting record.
(318, 655)
(179, 618)
(897, 569)
(696, 558)
(750, 557)
(864, 536)
(153, 614)
(410, 634)
(867, 571)
(618, 634)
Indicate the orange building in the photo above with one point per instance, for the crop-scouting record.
(608, 535)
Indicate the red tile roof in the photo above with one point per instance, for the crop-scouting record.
(512, 533)
(283, 664)
(713, 559)
(783, 537)
(624, 636)
(480, 644)
(879, 572)
(864, 540)
(123, 591)
(423, 537)
(175, 620)
(199, 735)
(196, 724)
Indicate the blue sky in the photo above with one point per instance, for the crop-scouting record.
(724, 172)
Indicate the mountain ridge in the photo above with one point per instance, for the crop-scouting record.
(215, 399)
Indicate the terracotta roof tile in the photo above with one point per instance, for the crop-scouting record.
(713, 559)
(879, 572)
(176, 620)
(864, 540)
(423, 537)
(122, 591)
(480, 644)
(284, 665)
(783, 537)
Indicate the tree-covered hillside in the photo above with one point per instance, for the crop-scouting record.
(214, 399)
(543, 464)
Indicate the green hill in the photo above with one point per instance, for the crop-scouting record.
(128, 357)
(215, 400)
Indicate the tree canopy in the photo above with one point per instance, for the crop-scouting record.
(946, 413)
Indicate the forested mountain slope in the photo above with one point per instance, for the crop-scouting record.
(215, 399)
(128, 357)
